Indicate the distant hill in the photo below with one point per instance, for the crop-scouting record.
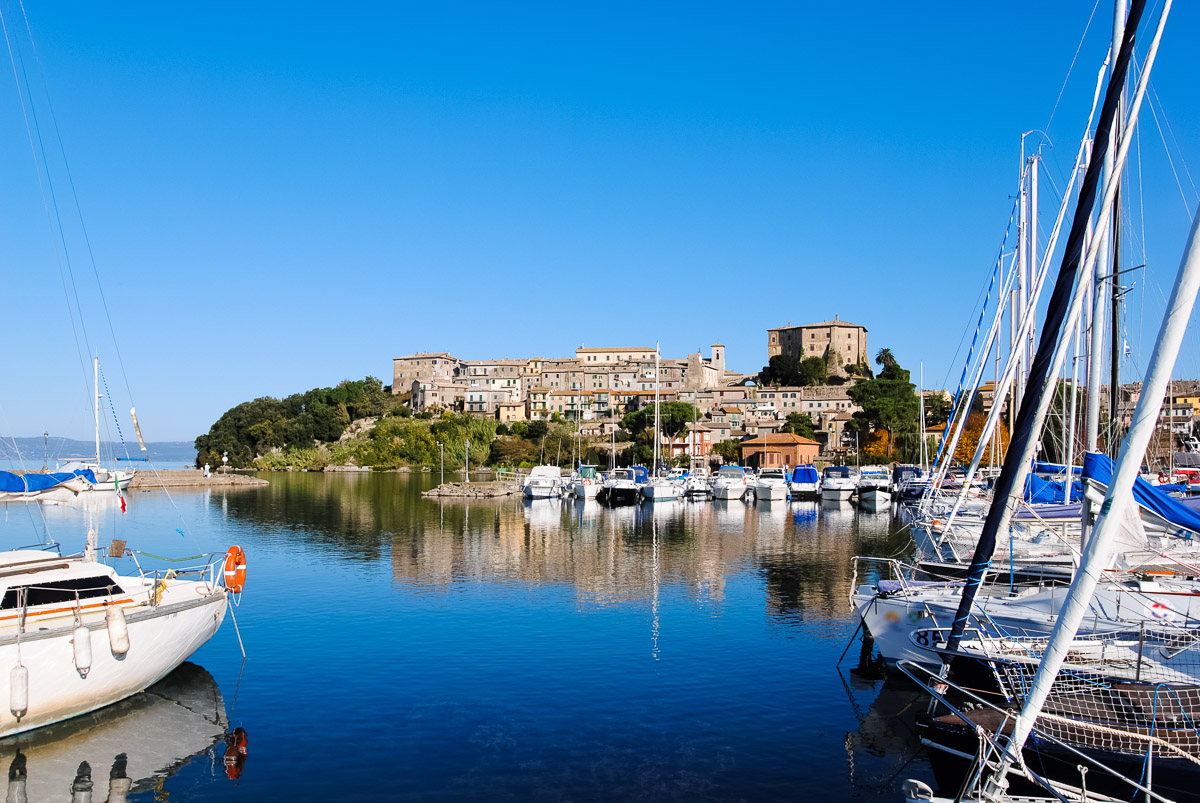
(30, 452)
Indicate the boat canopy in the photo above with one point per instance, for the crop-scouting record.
(902, 474)
(737, 472)
(1054, 468)
(1041, 490)
(1099, 467)
(546, 471)
(837, 471)
(804, 474)
(24, 483)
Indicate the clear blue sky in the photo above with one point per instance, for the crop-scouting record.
(281, 196)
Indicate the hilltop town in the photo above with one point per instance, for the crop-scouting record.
(599, 385)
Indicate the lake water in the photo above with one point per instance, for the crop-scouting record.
(408, 649)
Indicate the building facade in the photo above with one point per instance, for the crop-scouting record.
(839, 342)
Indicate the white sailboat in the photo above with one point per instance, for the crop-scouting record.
(1002, 753)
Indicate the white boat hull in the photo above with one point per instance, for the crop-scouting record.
(160, 639)
(836, 494)
(771, 493)
(585, 491)
(876, 498)
(660, 492)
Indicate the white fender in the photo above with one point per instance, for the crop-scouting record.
(18, 699)
(118, 629)
(83, 650)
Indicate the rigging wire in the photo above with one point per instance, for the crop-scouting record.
(75, 198)
(26, 111)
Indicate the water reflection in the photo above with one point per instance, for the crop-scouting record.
(127, 747)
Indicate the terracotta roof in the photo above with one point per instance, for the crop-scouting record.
(780, 439)
(615, 348)
(426, 354)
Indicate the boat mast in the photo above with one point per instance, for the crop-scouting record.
(654, 468)
(1062, 313)
(1118, 497)
(96, 403)
(1095, 366)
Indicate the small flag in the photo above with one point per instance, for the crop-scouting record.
(117, 486)
(1128, 351)
(122, 498)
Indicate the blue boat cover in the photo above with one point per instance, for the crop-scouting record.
(1099, 468)
(837, 471)
(804, 474)
(1040, 489)
(24, 483)
(1054, 468)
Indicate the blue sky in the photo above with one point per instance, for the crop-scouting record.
(281, 196)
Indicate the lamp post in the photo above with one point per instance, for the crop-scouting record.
(467, 461)
(442, 464)
(224, 462)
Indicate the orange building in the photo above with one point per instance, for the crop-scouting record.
(778, 450)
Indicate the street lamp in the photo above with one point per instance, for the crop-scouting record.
(442, 464)
(466, 461)
(224, 462)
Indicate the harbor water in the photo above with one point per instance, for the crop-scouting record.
(403, 648)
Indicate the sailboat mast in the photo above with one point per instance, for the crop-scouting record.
(96, 403)
(654, 468)
(1114, 346)
(1062, 312)
(1118, 497)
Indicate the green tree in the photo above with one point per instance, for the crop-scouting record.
(811, 372)
(800, 424)
(782, 369)
(888, 402)
(728, 450)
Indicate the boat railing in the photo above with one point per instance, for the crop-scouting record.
(896, 571)
(993, 748)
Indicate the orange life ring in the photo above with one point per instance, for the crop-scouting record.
(587, 482)
(235, 569)
(1163, 479)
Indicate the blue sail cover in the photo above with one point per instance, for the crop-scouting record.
(1041, 490)
(24, 483)
(804, 474)
(1054, 468)
(1099, 468)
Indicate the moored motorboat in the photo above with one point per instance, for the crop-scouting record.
(730, 483)
(805, 483)
(838, 483)
(771, 486)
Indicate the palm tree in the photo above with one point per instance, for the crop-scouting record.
(885, 357)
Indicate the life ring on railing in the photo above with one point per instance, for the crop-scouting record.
(235, 569)
(1163, 479)
(587, 482)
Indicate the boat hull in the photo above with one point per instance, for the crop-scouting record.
(771, 493)
(160, 639)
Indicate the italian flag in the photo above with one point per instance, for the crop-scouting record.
(117, 485)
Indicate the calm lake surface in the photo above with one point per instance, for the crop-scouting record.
(408, 649)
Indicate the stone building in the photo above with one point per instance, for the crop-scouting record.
(424, 367)
(839, 342)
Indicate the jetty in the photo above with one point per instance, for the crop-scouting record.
(473, 490)
(185, 478)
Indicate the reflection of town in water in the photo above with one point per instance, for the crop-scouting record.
(802, 550)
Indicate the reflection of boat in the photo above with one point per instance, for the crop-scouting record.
(80, 637)
(124, 748)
